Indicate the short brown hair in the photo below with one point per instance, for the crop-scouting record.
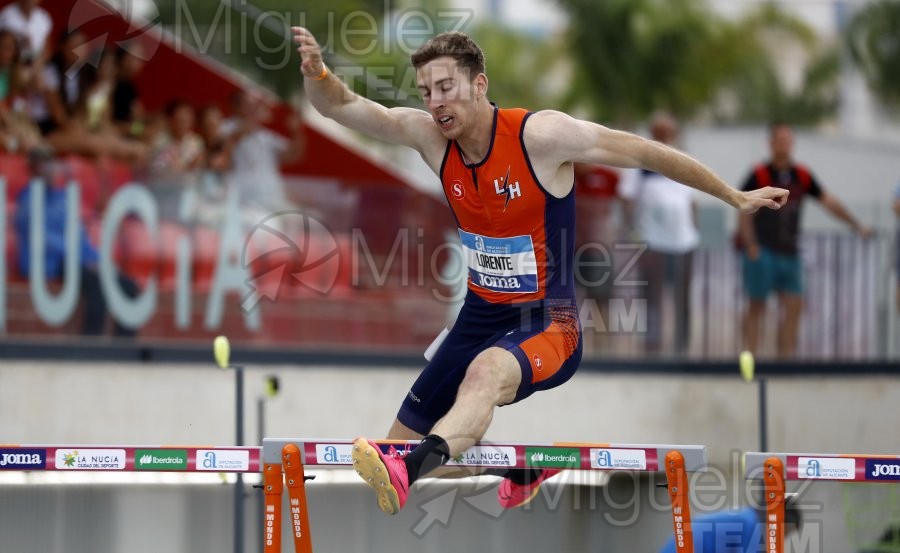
(455, 45)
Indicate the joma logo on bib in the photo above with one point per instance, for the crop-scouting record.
(501, 283)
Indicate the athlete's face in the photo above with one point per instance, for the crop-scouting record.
(450, 95)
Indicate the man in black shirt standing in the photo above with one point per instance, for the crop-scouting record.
(771, 258)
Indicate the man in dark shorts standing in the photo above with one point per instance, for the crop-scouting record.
(771, 260)
(508, 178)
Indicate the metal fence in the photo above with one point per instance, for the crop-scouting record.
(848, 300)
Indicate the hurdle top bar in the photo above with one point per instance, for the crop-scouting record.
(583, 456)
(130, 458)
(828, 466)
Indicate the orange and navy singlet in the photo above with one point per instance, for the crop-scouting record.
(518, 243)
(517, 239)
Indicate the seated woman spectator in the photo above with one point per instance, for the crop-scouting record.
(18, 133)
(180, 150)
(73, 110)
(177, 158)
(212, 192)
(218, 147)
(31, 25)
(96, 95)
(9, 61)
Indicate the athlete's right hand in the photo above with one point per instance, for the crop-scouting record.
(312, 64)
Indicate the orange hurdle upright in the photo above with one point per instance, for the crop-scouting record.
(273, 488)
(774, 481)
(677, 478)
(273, 481)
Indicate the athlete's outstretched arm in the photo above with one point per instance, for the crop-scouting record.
(331, 97)
(567, 139)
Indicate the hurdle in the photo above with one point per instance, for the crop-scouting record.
(284, 461)
(130, 458)
(777, 468)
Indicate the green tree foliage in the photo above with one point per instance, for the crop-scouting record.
(522, 70)
(636, 56)
(874, 39)
(758, 92)
(252, 35)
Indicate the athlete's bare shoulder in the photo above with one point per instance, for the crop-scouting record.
(544, 131)
(551, 134)
(422, 134)
(560, 138)
(546, 126)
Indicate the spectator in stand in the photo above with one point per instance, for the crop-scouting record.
(18, 133)
(95, 310)
(128, 111)
(595, 233)
(69, 122)
(218, 148)
(662, 213)
(95, 96)
(770, 241)
(9, 73)
(180, 150)
(258, 156)
(9, 63)
(210, 193)
(32, 26)
(177, 157)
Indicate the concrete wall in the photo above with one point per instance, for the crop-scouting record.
(148, 404)
(191, 404)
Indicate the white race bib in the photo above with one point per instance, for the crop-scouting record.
(501, 264)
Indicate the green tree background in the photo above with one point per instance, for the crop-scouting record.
(637, 56)
(874, 40)
(617, 62)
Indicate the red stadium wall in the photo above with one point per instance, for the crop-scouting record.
(387, 306)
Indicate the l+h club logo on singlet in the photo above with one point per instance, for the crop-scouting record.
(502, 186)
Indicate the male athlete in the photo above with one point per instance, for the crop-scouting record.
(508, 178)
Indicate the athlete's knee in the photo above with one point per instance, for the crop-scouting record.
(480, 375)
(493, 374)
(400, 431)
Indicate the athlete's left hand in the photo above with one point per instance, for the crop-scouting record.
(770, 197)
